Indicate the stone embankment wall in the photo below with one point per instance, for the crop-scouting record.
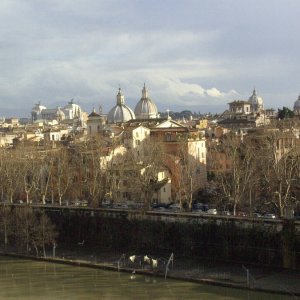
(257, 241)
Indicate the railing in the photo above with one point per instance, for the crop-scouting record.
(171, 260)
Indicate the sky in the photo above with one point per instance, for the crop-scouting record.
(196, 55)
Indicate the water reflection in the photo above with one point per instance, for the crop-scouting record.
(25, 279)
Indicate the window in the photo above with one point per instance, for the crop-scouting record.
(168, 137)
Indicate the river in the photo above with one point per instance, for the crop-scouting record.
(26, 279)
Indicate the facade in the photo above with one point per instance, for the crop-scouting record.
(69, 112)
(246, 114)
(240, 107)
(95, 123)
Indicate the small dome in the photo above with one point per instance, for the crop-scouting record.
(93, 114)
(145, 108)
(120, 113)
(256, 102)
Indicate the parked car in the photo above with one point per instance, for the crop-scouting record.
(107, 205)
(241, 214)
(120, 206)
(161, 208)
(158, 205)
(80, 203)
(225, 213)
(198, 211)
(269, 216)
(202, 206)
(212, 211)
(256, 215)
(175, 206)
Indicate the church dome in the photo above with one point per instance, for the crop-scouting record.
(256, 102)
(93, 114)
(145, 108)
(120, 113)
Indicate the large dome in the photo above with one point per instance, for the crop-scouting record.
(145, 108)
(120, 113)
(256, 102)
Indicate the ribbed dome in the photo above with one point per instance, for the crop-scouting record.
(256, 102)
(145, 108)
(120, 113)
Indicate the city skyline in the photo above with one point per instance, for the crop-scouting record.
(191, 55)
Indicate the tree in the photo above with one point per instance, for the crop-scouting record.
(63, 173)
(44, 175)
(279, 170)
(237, 178)
(93, 174)
(148, 166)
(6, 223)
(44, 233)
(25, 226)
(10, 175)
(29, 165)
(285, 113)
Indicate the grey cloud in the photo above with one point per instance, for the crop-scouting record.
(188, 52)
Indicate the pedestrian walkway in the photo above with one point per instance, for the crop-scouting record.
(216, 272)
(232, 275)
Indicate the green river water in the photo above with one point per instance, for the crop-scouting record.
(26, 279)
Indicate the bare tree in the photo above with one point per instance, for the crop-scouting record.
(93, 173)
(29, 171)
(6, 221)
(10, 175)
(25, 226)
(235, 181)
(45, 173)
(44, 233)
(147, 167)
(62, 173)
(279, 170)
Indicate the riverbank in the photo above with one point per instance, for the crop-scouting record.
(207, 272)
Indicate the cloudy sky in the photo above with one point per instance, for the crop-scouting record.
(192, 54)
